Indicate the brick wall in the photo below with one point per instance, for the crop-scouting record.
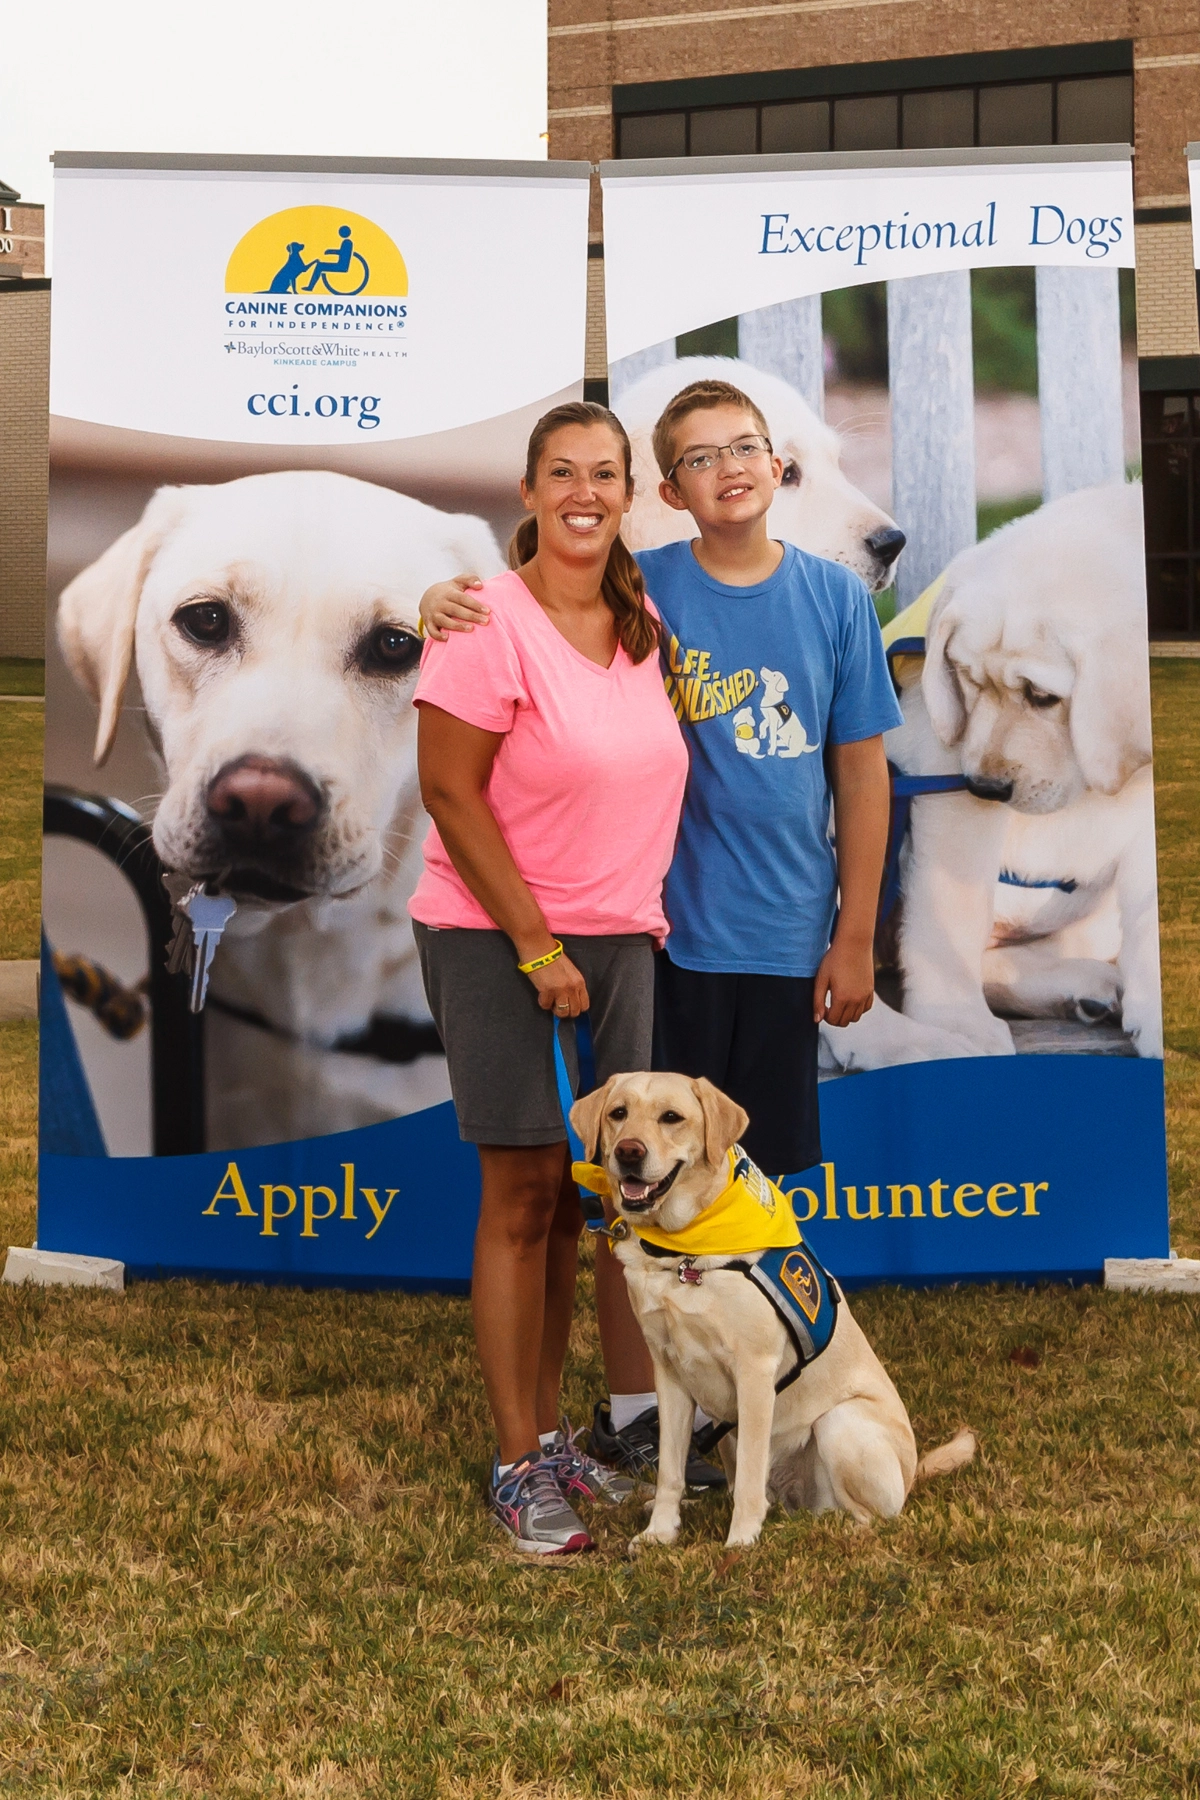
(595, 44)
(595, 353)
(1166, 292)
(24, 401)
(24, 229)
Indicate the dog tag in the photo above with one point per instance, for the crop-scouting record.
(208, 915)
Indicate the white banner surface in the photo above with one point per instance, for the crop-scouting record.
(748, 232)
(315, 306)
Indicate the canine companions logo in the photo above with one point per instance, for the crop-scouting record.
(800, 1279)
(316, 287)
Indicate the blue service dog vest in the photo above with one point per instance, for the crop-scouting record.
(805, 1298)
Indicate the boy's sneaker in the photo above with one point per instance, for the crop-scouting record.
(635, 1449)
(581, 1477)
(528, 1503)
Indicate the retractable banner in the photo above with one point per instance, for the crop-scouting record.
(286, 397)
(936, 342)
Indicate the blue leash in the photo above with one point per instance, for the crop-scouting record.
(593, 1213)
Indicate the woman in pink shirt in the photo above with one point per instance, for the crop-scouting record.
(553, 768)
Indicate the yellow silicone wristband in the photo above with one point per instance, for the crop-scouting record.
(420, 626)
(541, 962)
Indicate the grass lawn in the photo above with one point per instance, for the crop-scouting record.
(242, 1553)
(20, 829)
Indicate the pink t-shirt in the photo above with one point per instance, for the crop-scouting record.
(587, 785)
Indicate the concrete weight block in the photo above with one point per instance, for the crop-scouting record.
(58, 1268)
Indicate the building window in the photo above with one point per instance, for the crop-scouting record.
(1089, 109)
(1171, 469)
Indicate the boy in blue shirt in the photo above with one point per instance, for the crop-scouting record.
(776, 667)
(775, 664)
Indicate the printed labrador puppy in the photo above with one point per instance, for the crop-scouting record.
(273, 624)
(1033, 894)
(839, 1436)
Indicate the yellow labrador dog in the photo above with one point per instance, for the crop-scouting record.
(839, 1436)
(272, 625)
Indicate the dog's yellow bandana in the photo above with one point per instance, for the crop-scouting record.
(750, 1213)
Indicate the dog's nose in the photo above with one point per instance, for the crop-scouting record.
(985, 789)
(261, 800)
(630, 1150)
(886, 544)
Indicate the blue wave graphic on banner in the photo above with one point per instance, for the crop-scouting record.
(997, 1168)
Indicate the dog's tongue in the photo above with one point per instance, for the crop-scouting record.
(634, 1190)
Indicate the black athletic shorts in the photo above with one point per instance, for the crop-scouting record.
(755, 1038)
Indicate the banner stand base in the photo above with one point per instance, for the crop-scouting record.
(58, 1268)
(1153, 1274)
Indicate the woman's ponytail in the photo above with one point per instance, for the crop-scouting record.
(522, 546)
(625, 593)
(623, 589)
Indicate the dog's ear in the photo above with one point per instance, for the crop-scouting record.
(97, 612)
(586, 1115)
(939, 684)
(724, 1120)
(1110, 712)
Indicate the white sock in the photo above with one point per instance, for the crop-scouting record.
(625, 1408)
(504, 1470)
(546, 1439)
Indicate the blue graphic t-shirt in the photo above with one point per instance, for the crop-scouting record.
(762, 678)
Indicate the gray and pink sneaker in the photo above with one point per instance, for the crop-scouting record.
(581, 1477)
(528, 1503)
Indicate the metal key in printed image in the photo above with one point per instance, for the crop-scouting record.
(208, 915)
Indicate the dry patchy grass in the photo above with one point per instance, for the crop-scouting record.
(242, 1551)
(18, 1131)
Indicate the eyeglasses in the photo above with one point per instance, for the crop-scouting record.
(707, 456)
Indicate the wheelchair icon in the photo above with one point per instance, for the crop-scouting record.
(341, 275)
(346, 273)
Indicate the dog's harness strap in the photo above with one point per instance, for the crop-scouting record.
(805, 1298)
(906, 789)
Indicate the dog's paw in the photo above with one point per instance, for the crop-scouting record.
(1098, 999)
(742, 1540)
(644, 1539)
(980, 1029)
(1146, 1032)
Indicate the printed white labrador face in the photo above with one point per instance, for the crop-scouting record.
(277, 653)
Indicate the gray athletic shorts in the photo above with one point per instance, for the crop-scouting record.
(499, 1042)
